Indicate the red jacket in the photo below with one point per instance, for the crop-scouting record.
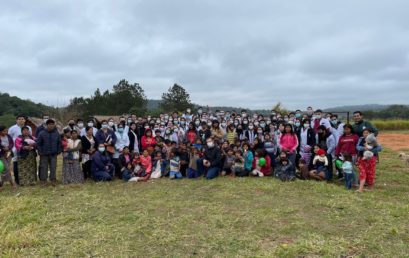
(266, 170)
(347, 143)
(147, 142)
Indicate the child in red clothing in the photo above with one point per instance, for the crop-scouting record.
(367, 165)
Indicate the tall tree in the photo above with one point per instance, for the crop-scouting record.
(176, 99)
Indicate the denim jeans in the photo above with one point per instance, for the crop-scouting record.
(212, 172)
(175, 174)
(349, 177)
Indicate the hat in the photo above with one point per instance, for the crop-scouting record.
(321, 152)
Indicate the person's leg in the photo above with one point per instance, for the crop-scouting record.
(200, 167)
(53, 168)
(15, 172)
(44, 169)
(102, 176)
(330, 168)
(292, 157)
(179, 175)
(172, 174)
(212, 172)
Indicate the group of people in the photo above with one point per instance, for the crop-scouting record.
(305, 145)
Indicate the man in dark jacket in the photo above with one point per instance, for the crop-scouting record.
(361, 124)
(49, 146)
(211, 160)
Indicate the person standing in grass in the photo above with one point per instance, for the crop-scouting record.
(71, 170)
(347, 169)
(49, 147)
(6, 146)
(89, 146)
(14, 132)
(26, 158)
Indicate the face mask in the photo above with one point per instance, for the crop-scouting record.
(260, 131)
(223, 124)
(90, 124)
(121, 130)
(291, 122)
(182, 122)
(167, 131)
(297, 115)
(166, 117)
(129, 121)
(263, 125)
(197, 123)
(146, 126)
(285, 119)
(188, 111)
(306, 125)
(256, 123)
(251, 127)
(334, 122)
(200, 111)
(297, 124)
(245, 122)
(101, 149)
(104, 126)
(236, 124)
(318, 116)
(273, 113)
(209, 124)
(210, 144)
(80, 125)
(111, 124)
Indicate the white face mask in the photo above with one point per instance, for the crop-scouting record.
(80, 125)
(259, 131)
(90, 124)
(101, 149)
(210, 144)
(251, 127)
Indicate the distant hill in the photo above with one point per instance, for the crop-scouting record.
(12, 105)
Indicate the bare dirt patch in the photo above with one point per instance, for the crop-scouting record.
(394, 141)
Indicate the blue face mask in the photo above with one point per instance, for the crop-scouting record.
(297, 124)
(104, 126)
(121, 130)
(297, 115)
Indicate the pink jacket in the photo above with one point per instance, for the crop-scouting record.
(146, 162)
(289, 142)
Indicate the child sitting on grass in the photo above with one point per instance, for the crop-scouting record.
(175, 165)
(304, 173)
(192, 171)
(320, 163)
(238, 165)
(228, 162)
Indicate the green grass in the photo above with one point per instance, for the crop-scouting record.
(394, 125)
(226, 217)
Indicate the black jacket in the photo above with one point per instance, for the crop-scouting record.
(49, 143)
(86, 145)
(214, 156)
(311, 140)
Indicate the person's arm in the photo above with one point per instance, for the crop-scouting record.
(96, 159)
(78, 148)
(295, 146)
(359, 145)
(331, 144)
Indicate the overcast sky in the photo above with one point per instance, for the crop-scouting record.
(238, 53)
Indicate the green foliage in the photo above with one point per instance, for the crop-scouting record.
(14, 106)
(392, 112)
(176, 99)
(395, 125)
(124, 98)
(7, 120)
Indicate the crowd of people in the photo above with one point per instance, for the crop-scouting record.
(309, 145)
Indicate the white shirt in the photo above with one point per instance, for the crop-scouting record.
(121, 142)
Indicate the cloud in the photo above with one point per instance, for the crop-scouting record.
(324, 53)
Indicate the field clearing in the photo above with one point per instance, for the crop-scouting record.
(225, 217)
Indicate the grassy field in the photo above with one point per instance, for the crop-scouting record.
(226, 217)
(391, 125)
